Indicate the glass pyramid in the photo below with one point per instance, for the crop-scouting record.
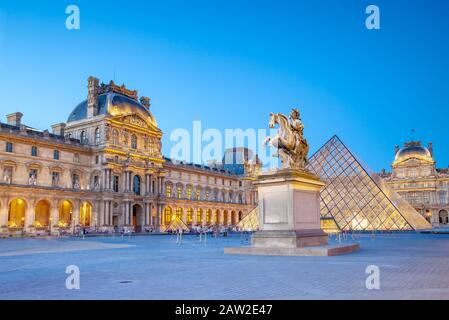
(177, 224)
(355, 198)
(250, 222)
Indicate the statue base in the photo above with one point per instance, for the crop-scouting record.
(289, 216)
(289, 210)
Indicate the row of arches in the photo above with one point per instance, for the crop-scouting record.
(202, 216)
(42, 213)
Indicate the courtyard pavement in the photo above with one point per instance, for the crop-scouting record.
(412, 266)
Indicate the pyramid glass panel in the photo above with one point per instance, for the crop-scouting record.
(250, 222)
(354, 198)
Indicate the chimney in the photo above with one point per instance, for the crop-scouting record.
(58, 129)
(14, 119)
(145, 101)
(396, 149)
(92, 96)
(430, 148)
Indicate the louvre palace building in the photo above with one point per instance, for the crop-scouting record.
(416, 178)
(103, 170)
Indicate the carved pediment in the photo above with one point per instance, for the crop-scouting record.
(135, 120)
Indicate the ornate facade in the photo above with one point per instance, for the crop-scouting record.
(415, 177)
(103, 170)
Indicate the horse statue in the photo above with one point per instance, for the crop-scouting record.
(292, 148)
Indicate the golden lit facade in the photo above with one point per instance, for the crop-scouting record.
(103, 170)
(415, 177)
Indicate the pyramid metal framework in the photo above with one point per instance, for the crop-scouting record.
(355, 198)
(177, 224)
(250, 222)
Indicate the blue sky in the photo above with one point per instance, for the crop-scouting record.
(230, 63)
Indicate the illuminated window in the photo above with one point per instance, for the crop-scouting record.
(167, 215)
(189, 215)
(208, 216)
(189, 192)
(207, 194)
(179, 213)
(199, 216)
(16, 214)
(168, 191)
(179, 190)
(217, 217)
(65, 214)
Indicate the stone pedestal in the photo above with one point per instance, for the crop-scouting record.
(289, 210)
(289, 217)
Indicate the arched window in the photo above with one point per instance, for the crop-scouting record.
(179, 213)
(168, 191)
(179, 192)
(133, 141)
(189, 192)
(167, 215)
(16, 214)
(136, 185)
(208, 216)
(199, 216)
(115, 137)
(189, 215)
(97, 136)
(83, 137)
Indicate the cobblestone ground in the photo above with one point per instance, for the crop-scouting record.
(412, 266)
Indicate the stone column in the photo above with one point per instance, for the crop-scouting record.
(147, 183)
(4, 215)
(29, 217)
(162, 185)
(54, 214)
(76, 215)
(194, 219)
(111, 212)
(124, 181)
(105, 213)
(159, 216)
(146, 213)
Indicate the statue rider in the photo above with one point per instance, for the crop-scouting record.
(296, 126)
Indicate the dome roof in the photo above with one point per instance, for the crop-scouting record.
(413, 150)
(114, 104)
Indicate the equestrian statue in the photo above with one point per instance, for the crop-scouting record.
(292, 147)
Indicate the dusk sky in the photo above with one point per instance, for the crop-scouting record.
(230, 63)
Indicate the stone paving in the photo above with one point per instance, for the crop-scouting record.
(412, 266)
